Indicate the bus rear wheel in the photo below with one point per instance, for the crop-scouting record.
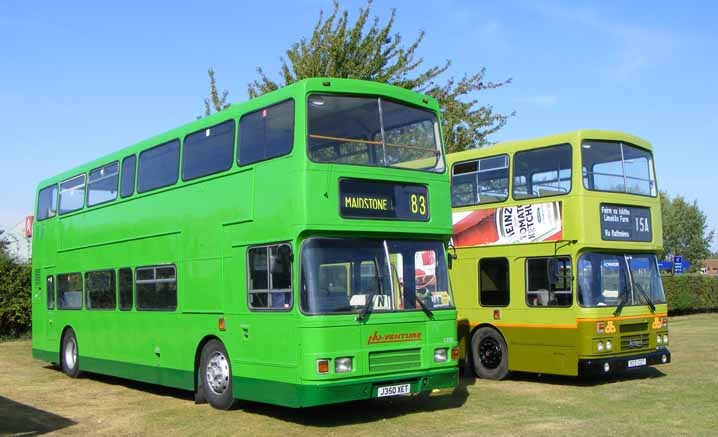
(489, 354)
(68, 354)
(216, 375)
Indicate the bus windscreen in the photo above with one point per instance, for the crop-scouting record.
(372, 131)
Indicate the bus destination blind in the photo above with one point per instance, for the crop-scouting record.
(364, 199)
(625, 223)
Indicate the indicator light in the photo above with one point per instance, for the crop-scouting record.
(323, 366)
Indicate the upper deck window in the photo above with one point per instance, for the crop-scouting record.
(208, 151)
(102, 186)
(159, 166)
(372, 131)
(72, 194)
(47, 202)
(542, 172)
(484, 180)
(618, 167)
(266, 133)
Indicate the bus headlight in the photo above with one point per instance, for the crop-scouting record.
(343, 365)
(665, 338)
(599, 346)
(659, 339)
(440, 355)
(609, 345)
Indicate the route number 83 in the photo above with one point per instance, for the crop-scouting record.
(418, 204)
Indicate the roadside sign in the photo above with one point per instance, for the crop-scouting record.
(28, 226)
(677, 265)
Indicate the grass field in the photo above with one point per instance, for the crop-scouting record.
(679, 398)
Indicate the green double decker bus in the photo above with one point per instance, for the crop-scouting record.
(556, 241)
(287, 250)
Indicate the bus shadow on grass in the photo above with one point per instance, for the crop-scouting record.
(590, 381)
(21, 419)
(346, 413)
(365, 411)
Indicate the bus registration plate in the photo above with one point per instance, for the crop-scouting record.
(394, 390)
(637, 363)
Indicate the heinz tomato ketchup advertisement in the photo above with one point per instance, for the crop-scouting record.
(529, 223)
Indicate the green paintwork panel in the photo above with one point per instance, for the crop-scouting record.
(552, 340)
(203, 227)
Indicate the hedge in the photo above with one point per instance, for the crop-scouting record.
(691, 293)
(15, 303)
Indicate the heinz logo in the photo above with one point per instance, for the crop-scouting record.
(394, 338)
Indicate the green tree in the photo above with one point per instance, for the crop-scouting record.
(15, 304)
(366, 49)
(685, 231)
(3, 246)
(215, 101)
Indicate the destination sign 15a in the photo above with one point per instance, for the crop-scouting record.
(365, 199)
(626, 223)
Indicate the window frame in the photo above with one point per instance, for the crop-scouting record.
(513, 174)
(570, 282)
(238, 135)
(508, 281)
(139, 167)
(621, 143)
(132, 291)
(477, 160)
(56, 212)
(134, 175)
(232, 155)
(82, 292)
(86, 290)
(84, 194)
(270, 289)
(155, 281)
(117, 187)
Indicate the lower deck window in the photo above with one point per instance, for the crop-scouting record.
(69, 291)
(494, 282)
(156, 288)
(548, 282)
(100, 288)
(270, 277)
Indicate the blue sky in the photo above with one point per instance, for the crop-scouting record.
(81, 79)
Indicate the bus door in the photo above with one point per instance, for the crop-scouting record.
(267, 332)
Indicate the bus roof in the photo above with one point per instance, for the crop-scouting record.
(354, 86)
(574, 137)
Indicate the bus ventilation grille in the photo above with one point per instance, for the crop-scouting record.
(630, 342)
(634, 327)
(36, 274)
(386, 361)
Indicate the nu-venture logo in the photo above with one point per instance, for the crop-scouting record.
(394, 338)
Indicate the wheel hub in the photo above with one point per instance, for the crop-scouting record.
(70, 354)
(217, 373)
(490, 353)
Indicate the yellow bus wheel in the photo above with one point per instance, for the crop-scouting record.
(489, 354)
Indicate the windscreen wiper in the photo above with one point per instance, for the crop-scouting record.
(649, 302)
(426, 309)
(367, 306)
(621, 304)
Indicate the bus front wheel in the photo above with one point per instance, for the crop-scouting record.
(216, 375)
(68, 354)
(489, 354)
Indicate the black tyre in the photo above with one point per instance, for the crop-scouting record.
(69, 354)
(215, 374)
(489, 354)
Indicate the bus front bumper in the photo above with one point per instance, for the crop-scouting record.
(311, 395)
(610, 365)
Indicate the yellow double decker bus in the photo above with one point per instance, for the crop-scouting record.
(555, 244)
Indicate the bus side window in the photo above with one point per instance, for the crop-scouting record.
(100, 290)
(494, 282)
(156, 288)
(69, 291)
(269, 277)
(127, 184)
(548, 282)
(50, 293)
(47, 203)
(266, 133)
